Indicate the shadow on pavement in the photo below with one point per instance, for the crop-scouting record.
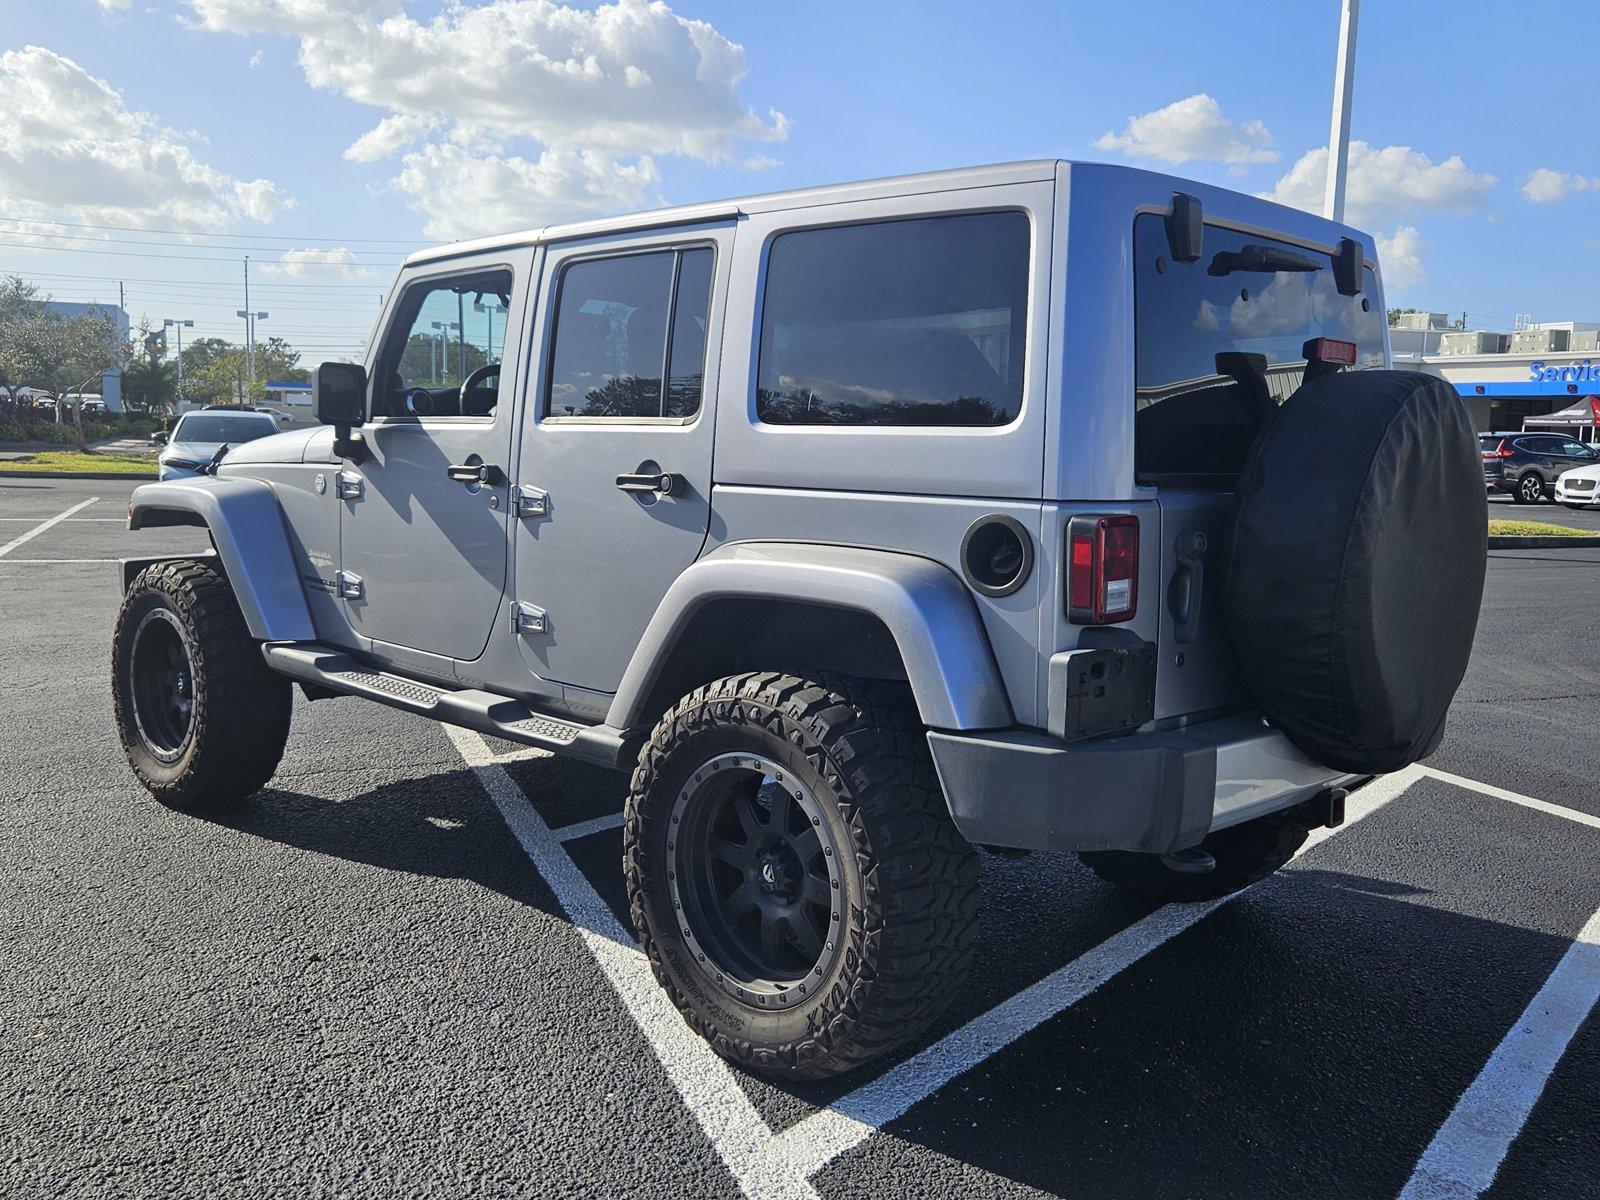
(440, 825)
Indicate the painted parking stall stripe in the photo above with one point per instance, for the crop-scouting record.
(24, 538)
(773, 1166)
(1500, 793)
(1460, 1162)
(1466, 1153)
(703, 1079)
(819, 1139)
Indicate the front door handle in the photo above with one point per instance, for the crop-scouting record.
(661, 483)
(475, 473)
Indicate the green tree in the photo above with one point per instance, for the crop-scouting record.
(19, 312)
(149, 383)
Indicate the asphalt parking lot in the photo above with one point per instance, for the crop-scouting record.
(403, 969)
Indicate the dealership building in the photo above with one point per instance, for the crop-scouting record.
(1545, 375)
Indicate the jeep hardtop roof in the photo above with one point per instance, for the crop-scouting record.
(1032, 171)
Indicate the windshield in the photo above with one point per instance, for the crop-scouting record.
(1218, 342)
(212, 427)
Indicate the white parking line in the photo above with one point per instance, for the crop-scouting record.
(704, 1080)
(770, 1166)
(1499, 793)
(1460, 1162)
(582, 829)
(54, 562)
(70, 520)
(822, 1137)
(38, 529)
(1466, 1153)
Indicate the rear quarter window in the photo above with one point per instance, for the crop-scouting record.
(914, 322)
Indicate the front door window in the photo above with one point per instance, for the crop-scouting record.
(442, 355)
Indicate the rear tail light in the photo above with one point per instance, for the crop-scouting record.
(1500, 451)
(1102, 569)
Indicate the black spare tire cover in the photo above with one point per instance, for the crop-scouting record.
(1356, 566)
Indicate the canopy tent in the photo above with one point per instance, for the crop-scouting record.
(1584, 414)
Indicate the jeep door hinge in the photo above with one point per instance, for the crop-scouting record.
(350, 586)
(531, 501)
(347, 485)
(528, 618)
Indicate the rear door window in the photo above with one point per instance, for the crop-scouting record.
(630, 336)
(1217, 344)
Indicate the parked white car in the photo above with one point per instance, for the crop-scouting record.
(1579, 487)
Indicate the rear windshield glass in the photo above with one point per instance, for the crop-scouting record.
(200, 427)
(1217, 343)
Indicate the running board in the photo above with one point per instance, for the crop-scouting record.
(486, 712)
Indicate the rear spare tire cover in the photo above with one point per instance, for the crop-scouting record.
(1356, 566)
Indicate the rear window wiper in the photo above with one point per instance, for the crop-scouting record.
(1260, 259)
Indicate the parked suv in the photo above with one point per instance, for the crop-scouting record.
(1045, 506)
(1527, 465)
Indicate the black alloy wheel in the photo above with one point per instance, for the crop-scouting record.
(756, 877)
(162, 684)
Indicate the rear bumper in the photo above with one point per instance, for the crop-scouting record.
(1151, 792)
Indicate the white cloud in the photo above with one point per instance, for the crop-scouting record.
(328, 266)
(390, 136)
(76, 149)
(761, 162)
(1387, 183)
(1545, 186)
(1400, 255)
(292, 17)
(114, 5)
(510, 192)
(1189, 130)
(569, 103)
(255, 60)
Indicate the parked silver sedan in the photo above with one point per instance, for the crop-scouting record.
(199, 435)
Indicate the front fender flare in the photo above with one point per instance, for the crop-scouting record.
(933, 620)
(246, 526)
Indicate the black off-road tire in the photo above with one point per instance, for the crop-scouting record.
(908, 881)
(239, 716)
(1245, 854)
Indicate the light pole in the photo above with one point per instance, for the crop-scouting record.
(1344, 78)
(250, 319)
(166, 324)
(444, 328)
(489, 311)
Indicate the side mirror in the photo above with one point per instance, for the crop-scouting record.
(159, 438)
(339, 398)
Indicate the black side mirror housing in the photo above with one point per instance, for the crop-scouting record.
(339, 398)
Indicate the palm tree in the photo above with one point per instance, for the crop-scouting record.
(149, 383)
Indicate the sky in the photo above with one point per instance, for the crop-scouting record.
(156, 144)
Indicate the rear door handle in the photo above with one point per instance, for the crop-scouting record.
(475, 473)
(664, 483)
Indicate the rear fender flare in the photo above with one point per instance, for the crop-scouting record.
(935, 624)
(246, 527)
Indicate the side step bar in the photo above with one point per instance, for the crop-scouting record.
(486, 712)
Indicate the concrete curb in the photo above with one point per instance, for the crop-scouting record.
(1508, 541)
(147, 476)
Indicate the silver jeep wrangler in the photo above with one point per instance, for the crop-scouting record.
(1046, 506)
